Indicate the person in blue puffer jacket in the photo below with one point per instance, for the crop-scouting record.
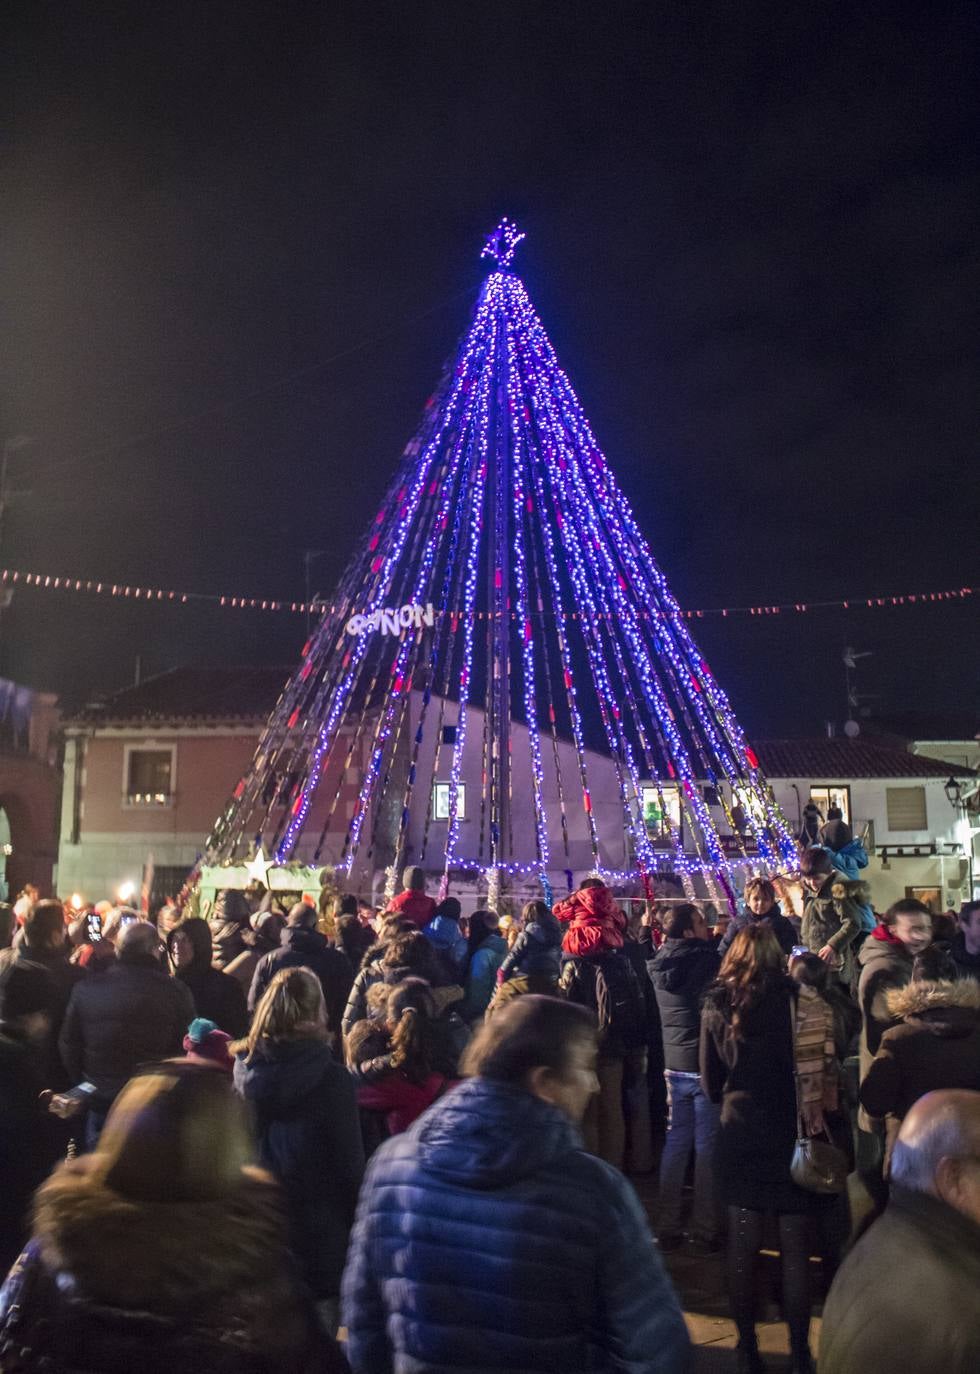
(443, 931)
(487, 1239)
(486, 949)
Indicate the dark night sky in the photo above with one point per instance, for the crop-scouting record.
(239, 240)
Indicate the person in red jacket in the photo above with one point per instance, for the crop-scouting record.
(595, 922)
(412, 901)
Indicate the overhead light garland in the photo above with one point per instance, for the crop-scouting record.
(14, 577)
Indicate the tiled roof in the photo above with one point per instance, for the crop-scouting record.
(194, 694)
(832, 760)
(232, 694)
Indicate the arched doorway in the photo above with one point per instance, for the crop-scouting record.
(29, 796)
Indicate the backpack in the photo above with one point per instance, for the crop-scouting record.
(620, 1005)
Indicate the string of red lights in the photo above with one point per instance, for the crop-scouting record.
(13, 577)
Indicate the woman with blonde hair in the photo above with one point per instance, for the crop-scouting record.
(761, 1034)
(305, 1115)
(144, 1254)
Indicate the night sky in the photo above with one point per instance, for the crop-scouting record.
(239, 240)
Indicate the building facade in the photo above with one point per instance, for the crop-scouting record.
(146, 775)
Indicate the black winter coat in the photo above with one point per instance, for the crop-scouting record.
(487, 1239)
(637, 952)
(781, 926)
(308, 949)
(751, 1072)
(579, 983)
(217, 995)
(63, 979)
(133, 1014)
(936, 1046)
(28, 1145)
(308, 1130)
(681, 972)
(370, 972)
(906, 1296)
(967, 964)
(536, 950)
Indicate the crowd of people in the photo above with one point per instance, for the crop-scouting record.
(226, 1142)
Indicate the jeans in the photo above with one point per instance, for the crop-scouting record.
(693, 1125)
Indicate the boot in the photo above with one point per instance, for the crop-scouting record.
(748, 1360)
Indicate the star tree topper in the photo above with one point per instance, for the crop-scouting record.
(258, 868)
(502, 243)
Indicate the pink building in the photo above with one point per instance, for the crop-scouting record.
(147, 774)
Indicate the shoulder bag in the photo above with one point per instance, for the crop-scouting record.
(818, 1166)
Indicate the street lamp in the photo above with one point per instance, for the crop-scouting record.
(954, 792)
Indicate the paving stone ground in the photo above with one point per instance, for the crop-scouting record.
(700, 1283)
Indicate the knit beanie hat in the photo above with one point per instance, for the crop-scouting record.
(205, 1042)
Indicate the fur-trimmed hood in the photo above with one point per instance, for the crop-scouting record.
(162, 1257)
(853, 889)
(919, 999)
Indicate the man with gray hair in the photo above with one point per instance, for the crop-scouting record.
(908, 1295)
(133, 1014)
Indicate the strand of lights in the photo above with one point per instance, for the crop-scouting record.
(602, 550)
(700, 676)
(385, 566)
(475, 526)
(392, 534)
(532, 332)
(552, 714)
(15, 577)
(519, 499)
(401, 677)
(280, 741)
(671, 658)
(613, 718)
(440, 639)
(666, 865)
(618, 743)
(578, 734)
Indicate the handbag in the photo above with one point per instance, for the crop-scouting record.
(817, 1166)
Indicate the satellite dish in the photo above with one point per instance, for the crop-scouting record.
(851, 729)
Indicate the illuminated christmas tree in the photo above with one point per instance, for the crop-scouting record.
(503, 682)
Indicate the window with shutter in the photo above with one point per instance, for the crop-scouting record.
(906, 808)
